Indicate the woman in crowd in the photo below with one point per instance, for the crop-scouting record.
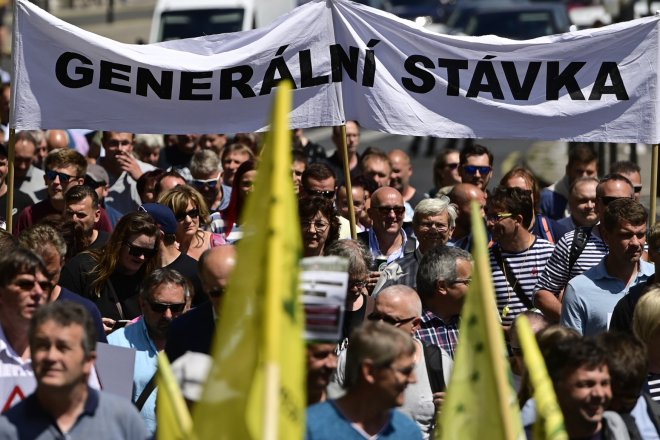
(110, 276)
(244, 179)
(319, 224)
(192, 216)
(646, 326)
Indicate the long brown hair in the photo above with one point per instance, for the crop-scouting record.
(107, 257)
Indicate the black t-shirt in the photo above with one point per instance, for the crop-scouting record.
(188, 267)
(21, 200)
(353, 318)
(101, 240)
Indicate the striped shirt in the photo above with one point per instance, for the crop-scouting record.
(526, 266)
(434, 330)
(653, 383)
(556, 276)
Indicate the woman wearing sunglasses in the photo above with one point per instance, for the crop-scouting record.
(192, 217)
(111, 275)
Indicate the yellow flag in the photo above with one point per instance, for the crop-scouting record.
(174, 422)
(549, 419)
(481, 402)
(256, 386)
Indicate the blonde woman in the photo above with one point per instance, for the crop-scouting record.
(646, 326)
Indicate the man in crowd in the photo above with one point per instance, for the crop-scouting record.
(376, 166)
(581, 379)
(298, 167)
(98, 179)
(462, 195)
(206, 172)
(379, 356)
(194, 330)
(162, 298)
(124, 171)
(62, 346)
(591, 297)
(443, 278)
(632, 172)
(433, 224)
(582, 162)
(232, 157)
(81, 204)
(400, 178)
(579, 250)
(177, 156)
(319, 180)
(21, 200)
(27, 177)
(336, 160)
(476, 165)
(359, 193)
(517, 256)
(582, 204)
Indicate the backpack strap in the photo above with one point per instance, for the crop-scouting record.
(545, 228)
(146, 392)
(433, 360)
(511, 278)
(580, 239)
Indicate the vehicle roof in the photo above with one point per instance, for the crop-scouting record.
(167, 5)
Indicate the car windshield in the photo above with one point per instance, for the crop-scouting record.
(517, 25)
(198, 22)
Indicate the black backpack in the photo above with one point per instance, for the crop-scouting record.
(433, 357)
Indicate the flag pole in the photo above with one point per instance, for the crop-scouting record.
(347, 180)
(654, 182)
(10, 180)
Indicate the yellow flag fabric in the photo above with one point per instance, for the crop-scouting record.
(549, 419)
(174, 422)
(256, 386)
(481, 402)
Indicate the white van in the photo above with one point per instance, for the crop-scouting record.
(177, 19)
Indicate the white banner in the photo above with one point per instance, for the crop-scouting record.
(347, 61)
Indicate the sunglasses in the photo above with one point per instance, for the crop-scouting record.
(327, 194)
(193, 213)
(163, 307)
(137, 251)
(472, 169)
(375, 316)
(637, 188)
(64, 178)
(211, 183)
(26, 285)
(398, 210)
(452, 166)
(496, 218)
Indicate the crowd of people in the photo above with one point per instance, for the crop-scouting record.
(130, 240)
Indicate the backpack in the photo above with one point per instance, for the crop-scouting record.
(580, 239)
(433, 358)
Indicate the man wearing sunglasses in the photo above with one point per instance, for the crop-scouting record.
(206, 171)
(64, 170)
(578, 250)
(163, 297)
(320, 180)
(476, 165)
(582, 162)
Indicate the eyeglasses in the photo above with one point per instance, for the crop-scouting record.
(385, 210)
(329, 194)
(433, 225)
(452, 166)
(159, 307)
(465, 281)
(26, 284)
(137, 251)
(472, 169)
(216, 292)
(637, 188)
(609, 199)
(496, 218)
(375, 316)
(211, 183)
(64, 178)
(319, 226)
(193, 213)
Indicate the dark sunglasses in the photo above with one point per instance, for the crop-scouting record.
(26, 285)
(375, 316)
(162, 307)
(137, 251)
(216, 292)
(52, 175)
(452, 166)
(192, 214)
(637, 188)
(211, 183)
(609, 199)
(398, 210)
(472, 169)
(327, 194)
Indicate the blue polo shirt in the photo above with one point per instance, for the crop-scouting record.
(590, 298)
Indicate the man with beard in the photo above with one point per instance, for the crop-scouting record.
(590, 298)
(162, 298)
(83, 207)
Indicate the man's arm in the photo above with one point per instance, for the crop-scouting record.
(572, 312)
(549, 304)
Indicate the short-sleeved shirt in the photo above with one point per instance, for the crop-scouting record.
(556, 274)
(434, 330)
(591, 297)
(325, 421)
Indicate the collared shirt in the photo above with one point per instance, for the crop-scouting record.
(136, 336)
(11, 363)
(436, 331)
(590, 298)
(375, 247)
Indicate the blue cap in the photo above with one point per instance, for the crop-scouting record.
(163, 216)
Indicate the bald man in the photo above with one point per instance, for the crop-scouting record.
(462, 195)
(194, 330)
(401, 307)
(57, 139)
(386, 239)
